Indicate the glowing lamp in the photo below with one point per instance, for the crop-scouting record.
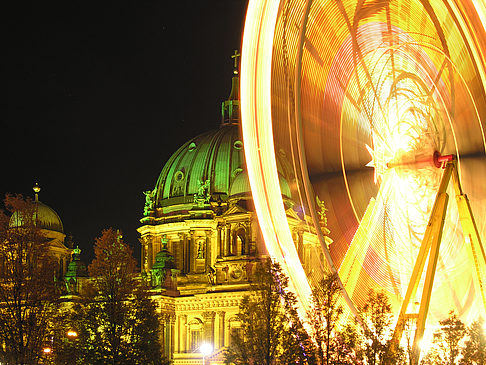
(425, 344)
(72, 333)
(206, 349)
(46, 350)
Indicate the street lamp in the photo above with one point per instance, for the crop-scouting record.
(205, 349)
(72, 334)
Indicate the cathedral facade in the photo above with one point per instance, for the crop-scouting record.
(200, 238)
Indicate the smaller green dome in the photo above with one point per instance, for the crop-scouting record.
(164, 260)
(76, 267)
(44, 216)
(240, 185)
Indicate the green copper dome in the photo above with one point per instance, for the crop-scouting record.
(214, 158)
(213, 165)
(76, 267)
(45, 218)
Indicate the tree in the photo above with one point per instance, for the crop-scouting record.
(409, 331)
(298, 347)
(116, 319)
(28, 292)
(377, 330)
(145, 329)
(271, 330)
(332, 346)
(446, 343)
(474, 351)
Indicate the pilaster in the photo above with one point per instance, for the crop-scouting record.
(209, 318)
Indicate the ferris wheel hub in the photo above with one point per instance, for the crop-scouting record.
(410, 160)
(440, 161)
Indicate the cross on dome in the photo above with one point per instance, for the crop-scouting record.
(235, 55)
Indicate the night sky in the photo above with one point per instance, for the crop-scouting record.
(100, 94)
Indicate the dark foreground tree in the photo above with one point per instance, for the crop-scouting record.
(116, 320)
(333, 345)
(28, 293)
(377, 330)
(271, 330)
(446, 343)
(474, 351)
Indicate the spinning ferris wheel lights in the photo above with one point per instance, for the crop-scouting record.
(336, 84)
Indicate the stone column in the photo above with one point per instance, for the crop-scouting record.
(192, 252)
(227, 240)
(144, 259)
(208, 334)
(162, 335)
(177, 334)
(224, 234)
(219, 242)
(150, 253)
(208, 252)
(252, 231)
(187, 253)
(183, 332)
(179, 252)
(171, 335)
(221, 333)
(167, 336)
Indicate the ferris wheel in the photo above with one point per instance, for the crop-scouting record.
(380, 106)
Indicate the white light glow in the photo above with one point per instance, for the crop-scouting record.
(206, 349)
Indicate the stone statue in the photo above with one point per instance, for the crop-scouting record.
(211, 273)
(165, 242)
(149, 202)
(203, 194)
(200, 250)
(321, 211)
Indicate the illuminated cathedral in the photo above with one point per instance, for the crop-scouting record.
(200, 237)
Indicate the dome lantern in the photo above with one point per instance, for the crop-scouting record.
(230, 109)
(36, 189)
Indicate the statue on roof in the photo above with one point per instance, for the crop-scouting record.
(321, 211)
(149, 202)
(203, 194)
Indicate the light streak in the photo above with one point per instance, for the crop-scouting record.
(256, 112)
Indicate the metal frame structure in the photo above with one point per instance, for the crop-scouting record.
(430, 249)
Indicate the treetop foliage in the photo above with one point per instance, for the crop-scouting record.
(454, 343)
(116, 320)
(29, 295)
(271, 330)
(113, 268)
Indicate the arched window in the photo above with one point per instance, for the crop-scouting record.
(195, 328)
(238, 244)
(234, 330)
